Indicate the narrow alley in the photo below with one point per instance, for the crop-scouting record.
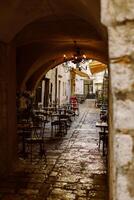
(74, 168)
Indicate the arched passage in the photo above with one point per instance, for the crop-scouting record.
(33, 33)
(33, 26)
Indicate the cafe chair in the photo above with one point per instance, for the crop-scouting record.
(24, 131)
(103, 137)
(35, 143)
(59, 126)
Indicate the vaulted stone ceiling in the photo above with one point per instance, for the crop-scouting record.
(44, 30)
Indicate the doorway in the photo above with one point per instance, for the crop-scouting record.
(46, 96)
(59, 92)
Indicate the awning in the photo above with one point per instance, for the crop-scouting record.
(80, 73)
(96, 67)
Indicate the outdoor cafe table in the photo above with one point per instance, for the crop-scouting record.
(102, 125)
(49, 109)
(60, 116)
(42, 114)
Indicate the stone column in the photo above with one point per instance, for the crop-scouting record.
(56, 79)
(8, 144)
(43, 92)
(118, 16)
(72, 76)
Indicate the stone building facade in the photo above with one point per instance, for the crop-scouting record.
(59, 85)
(63, 85)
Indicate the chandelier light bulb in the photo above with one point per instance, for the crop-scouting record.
(84, 56)
(90, 61)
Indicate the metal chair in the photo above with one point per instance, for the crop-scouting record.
(35, 143)
(59, 125)
(103, 136)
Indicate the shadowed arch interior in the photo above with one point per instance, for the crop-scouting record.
(44, 30)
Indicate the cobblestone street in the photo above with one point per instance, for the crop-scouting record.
(74, 169)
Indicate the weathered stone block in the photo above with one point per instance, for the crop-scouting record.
(123, 149)
(121, 40)
(131, 179)
(122, 185)
(123, 9)
(116, 11)
(121, 77)
(124, 114)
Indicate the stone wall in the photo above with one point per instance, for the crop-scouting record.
(8, 136)
(118, 16)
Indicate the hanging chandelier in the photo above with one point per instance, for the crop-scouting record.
(77, 61)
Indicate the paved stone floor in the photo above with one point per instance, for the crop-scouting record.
(74, 170)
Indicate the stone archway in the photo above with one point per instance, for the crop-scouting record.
(22, 44)
(119, 18)
(46, 59)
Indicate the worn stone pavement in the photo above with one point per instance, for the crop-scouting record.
(74, 170)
